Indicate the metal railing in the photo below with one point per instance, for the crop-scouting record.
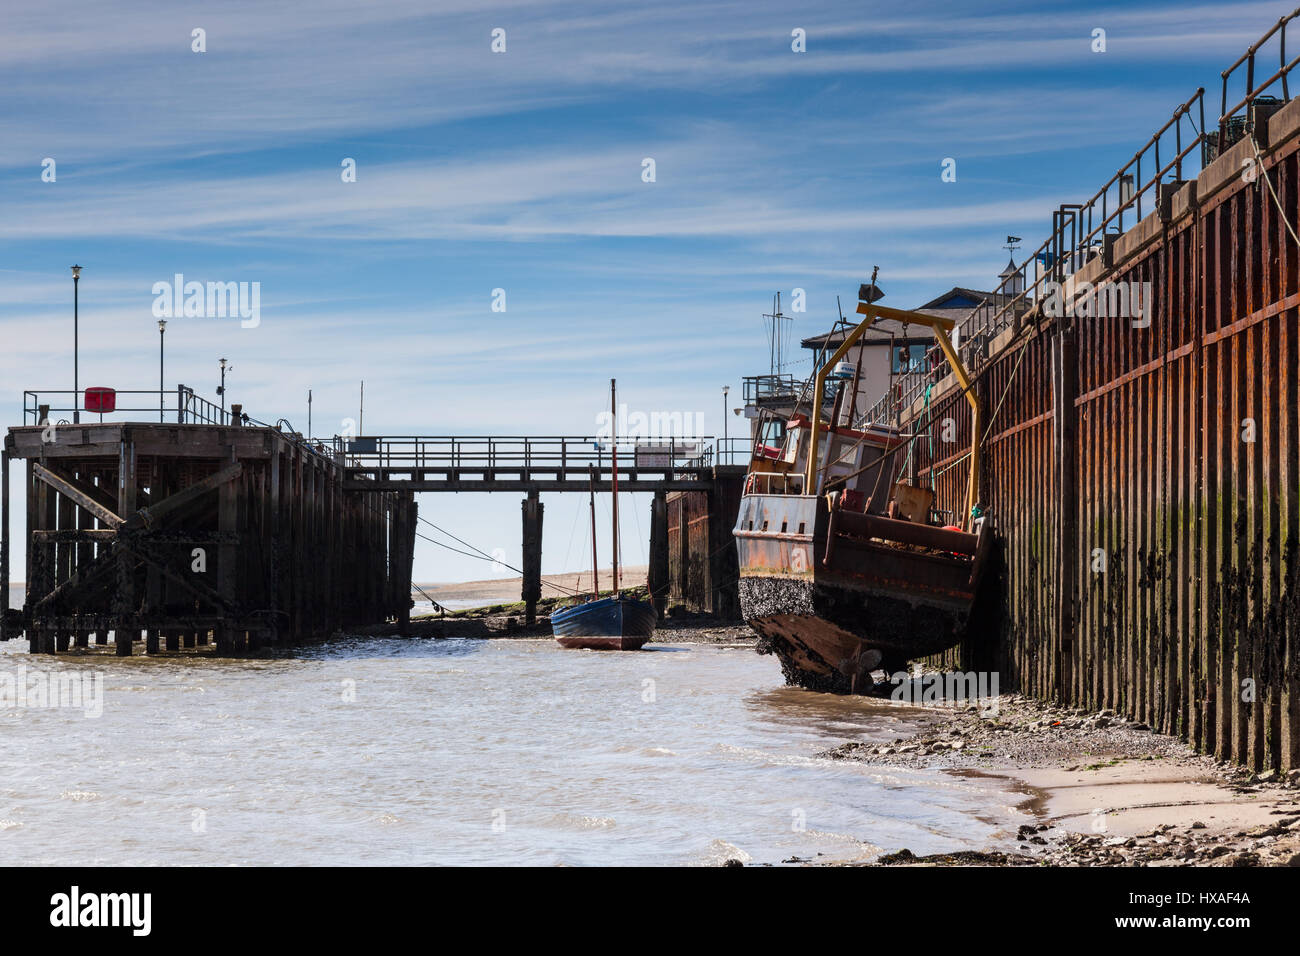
(771, 388)
(524, 453)
(780, 389)
(774, 483)
(1248, 58)
(733, 451)
(196, 410)
(181, 405)
(1080, 232)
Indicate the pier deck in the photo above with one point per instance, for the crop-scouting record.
(178, 534)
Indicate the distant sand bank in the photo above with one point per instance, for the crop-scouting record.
(506, 590)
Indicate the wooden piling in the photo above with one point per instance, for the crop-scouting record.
(124, 609)
(657, 582)
(532, 577)
(4, 539)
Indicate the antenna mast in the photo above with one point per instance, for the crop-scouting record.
(776, 336)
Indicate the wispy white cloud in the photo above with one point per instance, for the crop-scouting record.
(702, 190)
(100, 81)
(522, 170)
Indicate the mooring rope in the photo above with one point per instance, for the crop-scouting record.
(1280, 211)
(483, 555)
(989, 428)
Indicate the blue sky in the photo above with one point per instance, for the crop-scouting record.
(522, 170)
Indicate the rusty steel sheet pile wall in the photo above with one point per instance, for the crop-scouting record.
(1144, 481)
(703, 569)
(688, 540)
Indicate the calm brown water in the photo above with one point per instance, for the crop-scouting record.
(464, 752)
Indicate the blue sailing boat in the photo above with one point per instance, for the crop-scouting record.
(611, 624)
(615, 623)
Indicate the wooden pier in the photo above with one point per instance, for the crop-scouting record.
(178, 536)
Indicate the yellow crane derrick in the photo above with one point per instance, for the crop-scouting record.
(942, 329)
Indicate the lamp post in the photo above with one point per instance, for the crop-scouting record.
(221, 390)
(725, 390)
(76, 323)
(162, 392)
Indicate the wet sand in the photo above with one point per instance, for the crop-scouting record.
(1100, 790)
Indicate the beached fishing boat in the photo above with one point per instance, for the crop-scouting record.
(611, 623)
(615, 623)
(844, 569)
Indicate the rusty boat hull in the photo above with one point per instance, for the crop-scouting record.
(837, 594)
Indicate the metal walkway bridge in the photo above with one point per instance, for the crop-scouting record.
(536, 463)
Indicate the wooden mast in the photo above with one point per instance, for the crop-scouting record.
(614, 462)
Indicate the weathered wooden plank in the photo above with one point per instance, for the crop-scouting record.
(148, 517)
(1064, 467)
(84, 497)
(178, 441)
(193, 585)
(82, 576)
(124, 608)
(83, 535)
(275, 533)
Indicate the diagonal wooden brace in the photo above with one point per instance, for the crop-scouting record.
(78, 493)
(83, 575)
(194, 587)
(146, 517)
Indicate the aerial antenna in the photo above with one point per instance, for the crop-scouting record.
(776, 336)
